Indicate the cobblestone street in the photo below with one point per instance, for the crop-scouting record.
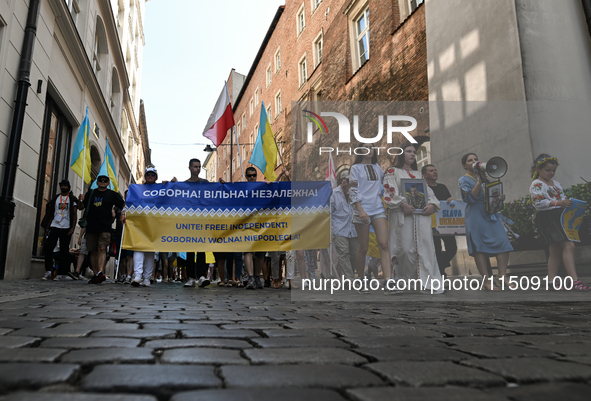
(73, 341)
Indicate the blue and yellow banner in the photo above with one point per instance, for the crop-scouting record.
(238, 217)
(571, 219)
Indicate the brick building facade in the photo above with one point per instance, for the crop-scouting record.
(312, 53)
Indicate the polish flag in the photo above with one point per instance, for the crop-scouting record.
(221, 119)
(330, 172)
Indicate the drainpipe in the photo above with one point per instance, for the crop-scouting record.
(7, 204)
(587, 10)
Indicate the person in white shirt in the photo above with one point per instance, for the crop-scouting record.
(368, 208)
(343, 231)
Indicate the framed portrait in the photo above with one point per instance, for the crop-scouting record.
(415, 192)
(493, 191)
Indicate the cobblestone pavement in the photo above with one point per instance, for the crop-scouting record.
(73, 341)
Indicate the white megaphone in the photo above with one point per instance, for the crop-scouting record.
(495, 167)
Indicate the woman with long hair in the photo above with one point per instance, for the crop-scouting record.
(411, 236)
(366, 178)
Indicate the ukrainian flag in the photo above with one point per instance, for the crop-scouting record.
(108, 169)
(81, 153)
(264, 154)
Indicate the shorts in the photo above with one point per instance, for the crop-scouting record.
(94, 241)
(372, 217)
(126, 252)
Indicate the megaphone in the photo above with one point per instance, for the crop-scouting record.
(495, 167)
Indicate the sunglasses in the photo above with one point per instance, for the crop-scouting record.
(251, 175)
(103, 180)
(150, 174)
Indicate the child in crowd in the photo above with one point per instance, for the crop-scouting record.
(549, 200)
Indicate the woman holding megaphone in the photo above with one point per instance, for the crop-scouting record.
(485, 233)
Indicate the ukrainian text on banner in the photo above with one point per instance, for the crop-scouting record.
(450, 219)
(238, 217)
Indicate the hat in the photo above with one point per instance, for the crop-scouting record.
(151, 170)
(65, 182)
(103, 175)
(345, 175)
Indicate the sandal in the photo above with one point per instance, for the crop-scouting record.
(277, 284)
(222, 284)
(229, 283)
(239, 284)
(579, 286)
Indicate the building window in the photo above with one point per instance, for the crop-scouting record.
(244, 119)
(251, 143)
(269, 75)
(424, 155)
(238, 129)
(318, 49)
(256, 97)
(277, 60)
(362, 36)
(251, 107)
(269, 112)
(303, 70)
(315, 4)
(301, 20)
(278, 108)
(414, 4)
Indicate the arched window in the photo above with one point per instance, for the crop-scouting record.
(101, 48)
(95, 160)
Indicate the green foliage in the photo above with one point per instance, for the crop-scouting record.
(581, 192)
(523, 213)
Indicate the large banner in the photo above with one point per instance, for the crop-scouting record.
(238, 217)
(450, 219)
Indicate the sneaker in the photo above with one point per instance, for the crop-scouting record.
(268, 282)
(251, 285)
(121, 280)
(127, 280)
(257, 281)
(72, 275)
(101, 277)
(158, 280)
(146, 283)
(435, 292)
(46, 276)
(190, 283)
(96, 280)
(203, 282)
(76, 275)
(392, 288)
(136, 282)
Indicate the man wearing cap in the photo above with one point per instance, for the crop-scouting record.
(59, 221)
(100, 202)
(143, 262)
(343, 230)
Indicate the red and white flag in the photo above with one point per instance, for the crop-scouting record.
(330, 172)
(221, 119)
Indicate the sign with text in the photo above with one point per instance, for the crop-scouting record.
(450, 219)
(238, 217)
